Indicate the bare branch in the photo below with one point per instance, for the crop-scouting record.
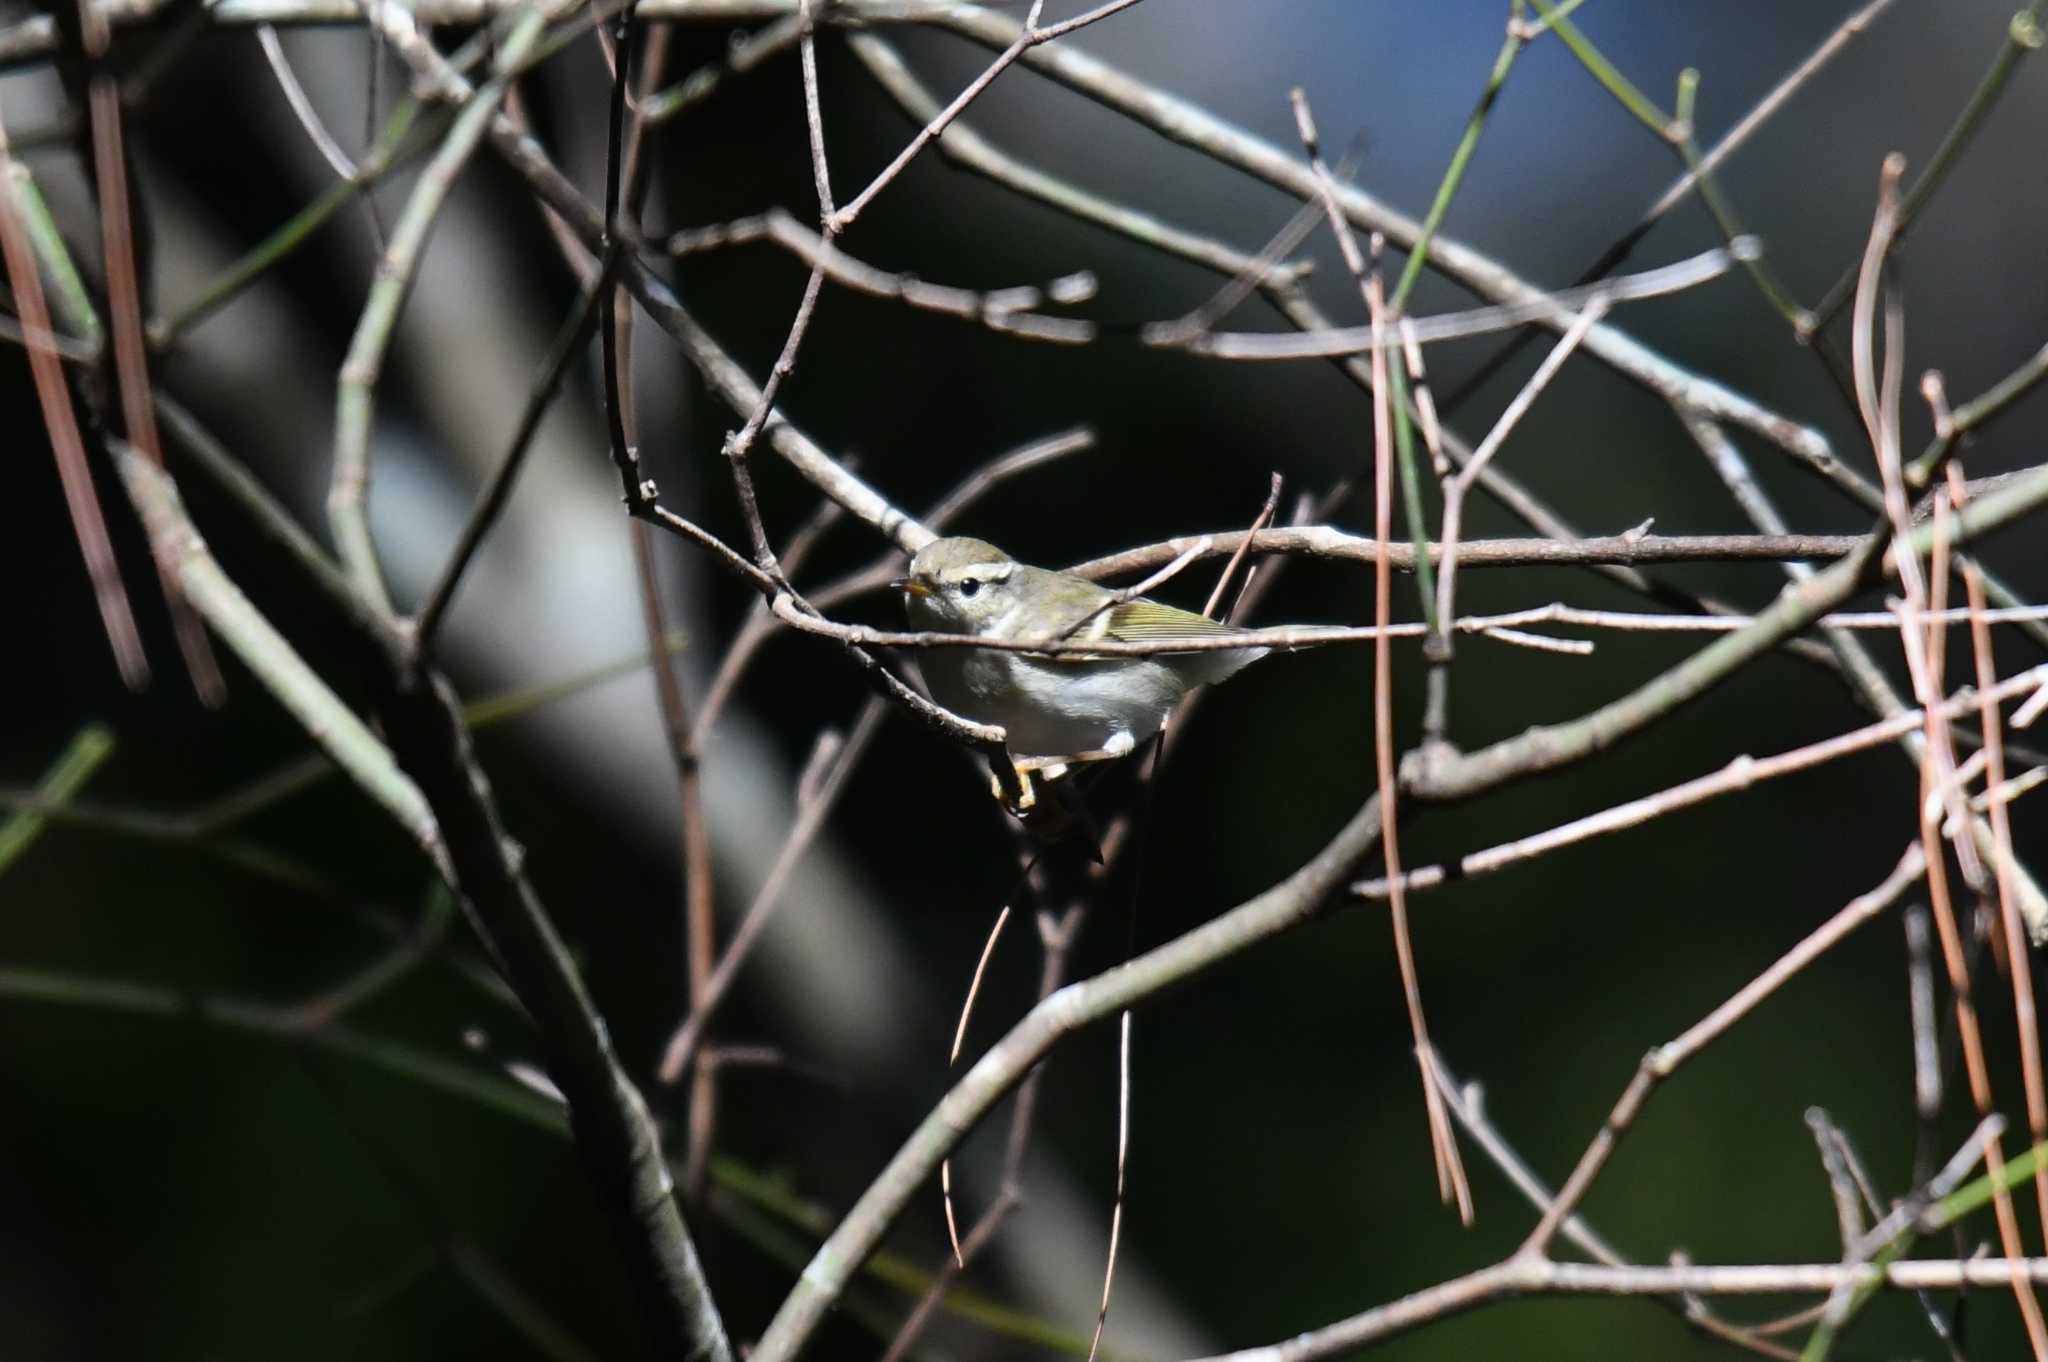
(1325, 541)
(1740, 774)
(1336, 342)
(1007, 311)
(348, 494)
(1005, 1065)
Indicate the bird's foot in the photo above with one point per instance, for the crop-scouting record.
(1027, 796)
(1049, 769)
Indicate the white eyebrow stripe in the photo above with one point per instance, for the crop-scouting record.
(985, 572)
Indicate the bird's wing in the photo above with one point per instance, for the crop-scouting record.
(1143, 621)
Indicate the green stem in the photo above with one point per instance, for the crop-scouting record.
(1974, 413)
(87, 751)
(1543, 26)
(1943, 1213)
(2022, 36)
(1411, 488)
(390, 152)
(704, 82)
(495, 709)
(266, 652)
(1418, 256)
(1753, 262)
(67, 289)
(1975, 1195)
(1454, 175)
(1635, 101)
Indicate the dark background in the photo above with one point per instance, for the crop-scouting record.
(173, 1188)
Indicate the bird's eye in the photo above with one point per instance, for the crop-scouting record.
(969, 586)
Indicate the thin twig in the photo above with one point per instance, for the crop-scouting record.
(1926, 1044)
(1663, 1060)
(1466, 1106)
(1292, 637)
(744, 56)
(2023, 35)
(390, 151)
(1841, 1185)
(1731, 141)
(1563, 307)
(1740, 774)
(1012, 1058)
(1029, 37)
(124, 303)
(1329, 542)
(1259, 522)
(1459, 485)
(967, 147)
(568, 345)
(1878, 398)
(1443, 1141)
(467, 840)
(1451, 776)
(87, 751)
(988, 949)
(327, 1005)
(1006, 310)
(739, 445)
(1056, 935)
(810, 817)
(348, 492)
(760, 622)
(2005, 868)
(1123, 1149)
(266, 653)
(302, 107)
(1187, 123)
(66, 443)
(1370, 290)
(1124, 595)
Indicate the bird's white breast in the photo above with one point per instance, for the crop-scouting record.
(1058, 708)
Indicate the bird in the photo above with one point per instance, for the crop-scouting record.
(1055, 709)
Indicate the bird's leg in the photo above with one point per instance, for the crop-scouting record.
(1026, 795)
(1053, 768)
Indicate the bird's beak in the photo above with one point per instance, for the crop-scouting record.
(912, 586)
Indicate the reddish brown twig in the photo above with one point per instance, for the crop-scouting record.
(1989, 720)
(66, 443)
